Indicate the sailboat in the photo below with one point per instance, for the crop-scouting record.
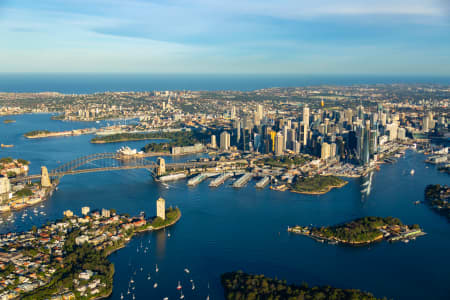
(155, 285)
(121, 295)
(179, 286)
(156, 268)
(412, 172)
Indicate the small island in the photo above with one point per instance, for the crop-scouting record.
(317, 185)
(362, 231)
(239, 285)
(438, 197)
(9, 121)
(68, 258)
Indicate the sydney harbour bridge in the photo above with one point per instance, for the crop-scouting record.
(102, 162)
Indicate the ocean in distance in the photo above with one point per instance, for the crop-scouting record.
(78, 83)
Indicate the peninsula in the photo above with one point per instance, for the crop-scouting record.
(239, 285)
(39, 134)
(362, 231)
(127, 136)
(438, 197)
(68, 258)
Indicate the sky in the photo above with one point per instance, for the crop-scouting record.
(215, 37)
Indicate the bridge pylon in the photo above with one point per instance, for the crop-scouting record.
(45, 179)
(161, 169)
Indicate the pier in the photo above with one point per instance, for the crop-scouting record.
(221, 179)
(243, 180)
(263, 182)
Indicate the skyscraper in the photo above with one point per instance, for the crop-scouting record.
(279, 143)
(305, 124)
(213, 141)
(325, 151)
(224, 141)
(260, 111)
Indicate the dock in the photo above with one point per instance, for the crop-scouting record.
(197, 179)
(171, 177)
(200, 178)
(221, 179)
(263, 182)
(243, 180)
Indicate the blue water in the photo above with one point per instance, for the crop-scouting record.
(91, 83)
(226, 229)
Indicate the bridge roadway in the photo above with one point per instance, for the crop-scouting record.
(151, 166)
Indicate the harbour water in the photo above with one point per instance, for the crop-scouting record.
(226, 229)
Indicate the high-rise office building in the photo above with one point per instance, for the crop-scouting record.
(305, 124)
(213, 141)
(279, 144)
(325, 151)
(260, 111)
(224, 141)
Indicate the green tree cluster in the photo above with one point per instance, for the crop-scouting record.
(241, 286)
(316, 184)
(36, 132)
(360, 230)
(25, 192)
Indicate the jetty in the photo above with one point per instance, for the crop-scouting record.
(221, 179)
(263, 182)
(243, 180)
(171, 177)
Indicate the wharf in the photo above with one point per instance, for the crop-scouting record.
(221, 179)
(243, 180)
(171, 177)
(197, 179)
(263, 182)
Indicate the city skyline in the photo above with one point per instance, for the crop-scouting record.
(287, 37)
